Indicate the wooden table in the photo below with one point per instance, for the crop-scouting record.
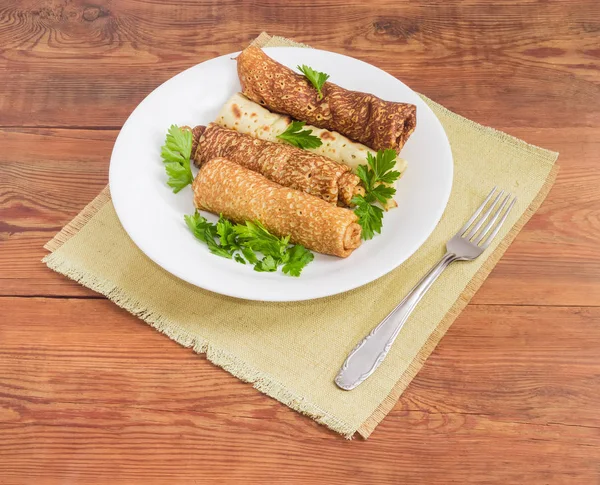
(90, 394)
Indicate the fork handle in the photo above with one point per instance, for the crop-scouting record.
(371, 351)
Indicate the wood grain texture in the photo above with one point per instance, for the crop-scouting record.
(105, 398)
(89, 394)
(465, 54)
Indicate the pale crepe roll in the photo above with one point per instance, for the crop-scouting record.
(245, 116)
(240, 194)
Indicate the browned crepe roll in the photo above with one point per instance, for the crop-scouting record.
(224, 187)
(362, 117)
(284, 164)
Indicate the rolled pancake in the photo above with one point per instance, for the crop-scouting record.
(241, 114)
(281, 163)
(360, 116)
(225, 187)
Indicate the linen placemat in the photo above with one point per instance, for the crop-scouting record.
(292, 351)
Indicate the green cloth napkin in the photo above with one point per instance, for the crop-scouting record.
(292, 351)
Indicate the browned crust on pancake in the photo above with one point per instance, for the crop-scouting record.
(284, 164)
(360, 116)
(224, 187)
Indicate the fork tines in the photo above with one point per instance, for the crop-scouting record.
(495, 215)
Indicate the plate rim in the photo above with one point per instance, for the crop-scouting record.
(307, 295)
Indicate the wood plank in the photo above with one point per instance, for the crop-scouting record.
(71, 63)
(90, 394)
(48, 175)
(555, 258)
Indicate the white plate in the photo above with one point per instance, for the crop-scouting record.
(153, 216)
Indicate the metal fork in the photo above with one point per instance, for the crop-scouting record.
(468, 243)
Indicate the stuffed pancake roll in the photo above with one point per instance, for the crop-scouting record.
(225, 187)
(284, 164)
(241, 114)
(360, 116)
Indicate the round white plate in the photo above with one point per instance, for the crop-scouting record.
(153, 216)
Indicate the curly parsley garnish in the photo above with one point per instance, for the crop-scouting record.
(242, 242)
(316, 78)
(376, 176)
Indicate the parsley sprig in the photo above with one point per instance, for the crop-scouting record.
(175, 155)
(242, 242)
(316, 78)
(295, 135)
(377, 177)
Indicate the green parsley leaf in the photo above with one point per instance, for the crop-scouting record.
(214, 247)
(198, 225)
(316, 78)
(268, 264)
(389, 177)
(294, 135)
(178, 176)
(364, 175)
(298, 258)
(206, 232)
(227, 236)
(249, 254)
(256, 237)
(377, 177)
(382, 193)
(383, 162)
(175, 155)
(227, 240)
(379, 170)
(370, 217)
